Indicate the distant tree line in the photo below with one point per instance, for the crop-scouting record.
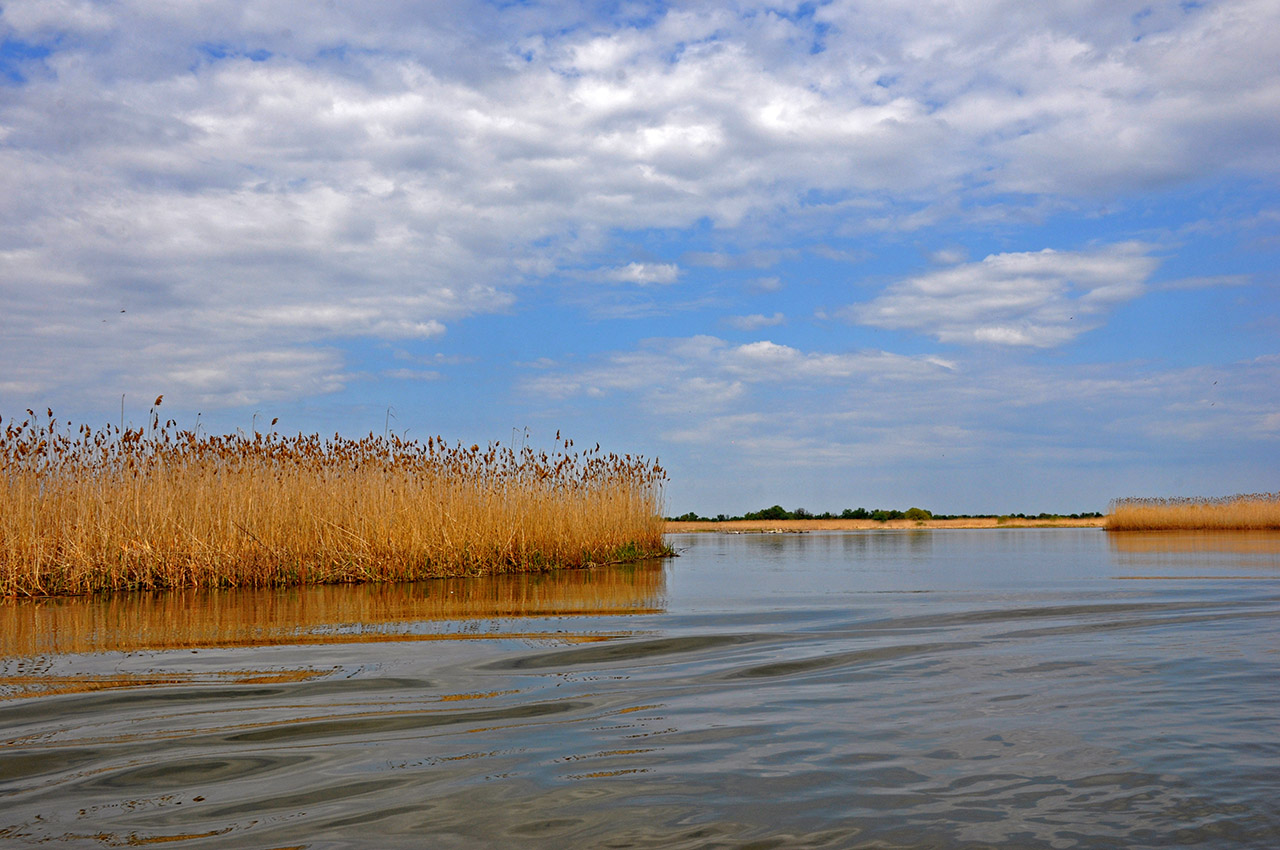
(777, 512)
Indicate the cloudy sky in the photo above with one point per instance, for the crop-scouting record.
(971, 255)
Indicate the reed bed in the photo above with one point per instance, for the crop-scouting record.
(85, 510)
(1253, 511)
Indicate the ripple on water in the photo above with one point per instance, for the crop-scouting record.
(780, 693)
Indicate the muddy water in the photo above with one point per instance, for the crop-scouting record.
(941, 689)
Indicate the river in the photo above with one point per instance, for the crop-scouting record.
(1028, 688)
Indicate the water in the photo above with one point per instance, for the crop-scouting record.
(945, 689)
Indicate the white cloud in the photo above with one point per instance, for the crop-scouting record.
(1041, 299)
(412, 374)
(767, 361)
(756, 259)
(786, 423)
(767, 284)
(948, 256)
(292, 174)
(709, 370)
(643, 273)
(755, 321)
(55, 16)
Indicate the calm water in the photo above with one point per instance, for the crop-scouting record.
(946, 689)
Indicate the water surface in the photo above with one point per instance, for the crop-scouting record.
(935, 689)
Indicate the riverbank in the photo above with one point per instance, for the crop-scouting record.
(801, 525)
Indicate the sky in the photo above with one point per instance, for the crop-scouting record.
(976, 256)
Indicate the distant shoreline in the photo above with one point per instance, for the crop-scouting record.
(754, 526)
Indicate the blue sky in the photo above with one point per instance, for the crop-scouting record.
(972, 256)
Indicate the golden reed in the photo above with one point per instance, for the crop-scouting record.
(1254, 511)
(84, 511)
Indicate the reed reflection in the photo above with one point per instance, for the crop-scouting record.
(1186, 554)
(1244, 542)
(320, 614)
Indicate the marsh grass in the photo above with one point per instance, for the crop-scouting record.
(84, 510)
(1240, 512)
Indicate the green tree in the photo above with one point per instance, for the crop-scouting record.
(775, 512)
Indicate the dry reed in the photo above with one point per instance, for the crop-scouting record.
(84, 511)
(1252, 511)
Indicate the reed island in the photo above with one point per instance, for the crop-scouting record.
(86, 510)
(1243, 512)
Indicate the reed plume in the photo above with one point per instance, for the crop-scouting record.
(85, 510)
(1243, 511)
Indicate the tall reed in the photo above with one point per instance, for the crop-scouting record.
(1245, 511)
(84, 510)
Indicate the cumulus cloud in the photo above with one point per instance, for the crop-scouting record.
(412, 374)
(769, 361)
(755, 321)
(1087, 97)
(783, 422)
(643, 273)
(295, 175)
(55, 16)
(707, 370)
(756, 259)
(1041, 298)
(766, 284)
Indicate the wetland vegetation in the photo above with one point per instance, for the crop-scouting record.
(1252, 511)
(880, 515)
(84, 510)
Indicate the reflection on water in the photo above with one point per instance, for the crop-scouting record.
(1187, 554)
(324, 614)
(1164, 543)
(31, 684)
(864, 690)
